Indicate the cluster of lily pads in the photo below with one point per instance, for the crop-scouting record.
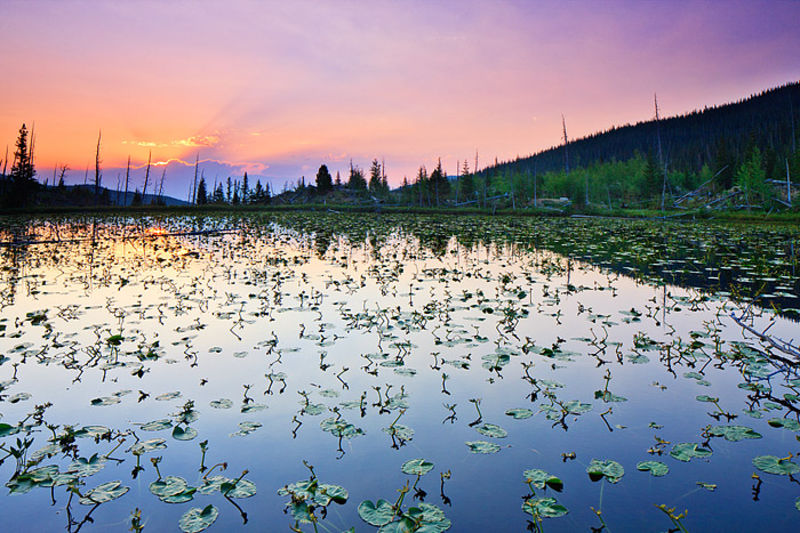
(349, 322)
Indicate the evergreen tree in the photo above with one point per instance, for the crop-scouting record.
(724, 165)
(652, 179)
(137, 197)
(338, 181)
(440, 184)
(229, 193)
(23, 183)
(357, 181)
(202, 194)
(324, 180)
(751, 178)
(245, 189)
(258, 194)
(375, 177)
(421, 186)
(219, 195)
(466, 183)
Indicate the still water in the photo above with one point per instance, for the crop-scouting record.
(167, 346)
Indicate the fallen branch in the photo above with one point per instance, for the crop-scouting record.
(786, 347)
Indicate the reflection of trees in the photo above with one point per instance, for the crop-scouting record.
(15, 241)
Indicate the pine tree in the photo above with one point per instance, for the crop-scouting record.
(202, 194)
(324, 181)
(467, 184)
(357, 181)
(23, 183)
(375, 177)
(439, 184)
(751, 177)
(219, 195)
(245, 189)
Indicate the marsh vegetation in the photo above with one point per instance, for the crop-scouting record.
(327, 372)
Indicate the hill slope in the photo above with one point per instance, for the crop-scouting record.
(717, 136)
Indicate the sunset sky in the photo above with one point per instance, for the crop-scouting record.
(277, 88)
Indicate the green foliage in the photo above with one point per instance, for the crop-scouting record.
(599, 469)
(751, 176)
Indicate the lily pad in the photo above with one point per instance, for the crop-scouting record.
(656, 468)
(734, 433)
(253, 407)
(157, 425)
(376, 514)
(336, 493)
(244, 488)
(480, 446)
(168, 396)
(706, 398)
(599, 469)
(775, 465)
(492, 430)
(685, 451)
(187, 433)
(544, 507)
(519, 413)
(168, 486)
(315, 409)
(222, 403)
(104, 493)
(416, 467)
(105, 400)
(541, 479)
(400, 431)
(86, 467)
(195, 519)
(6, 430)
(145, 446)
(340, 428)
(785, 423)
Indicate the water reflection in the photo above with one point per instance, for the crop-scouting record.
(143, 350)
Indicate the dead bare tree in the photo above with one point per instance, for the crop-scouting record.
(62, 173)
(566, 142)
(97, 174)
(787, 348)
(146, 175)
(127, 176)
(660, 154)
(788, 184)
(194, 182)
(161, 185)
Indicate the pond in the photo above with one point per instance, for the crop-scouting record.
(327, 371)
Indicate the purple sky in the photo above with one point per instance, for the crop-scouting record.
(277, 88)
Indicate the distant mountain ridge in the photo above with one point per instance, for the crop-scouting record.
(717, 136)
(85, 195)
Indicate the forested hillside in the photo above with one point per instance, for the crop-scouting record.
(743, 144)
(715, 136)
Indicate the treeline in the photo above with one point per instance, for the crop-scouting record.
(721, 139)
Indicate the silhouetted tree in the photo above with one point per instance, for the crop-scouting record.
(439, 184)
(375, 177)
(219, 195)
(357, 181)
(202, 194)
(22, 177)
(324, 181)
